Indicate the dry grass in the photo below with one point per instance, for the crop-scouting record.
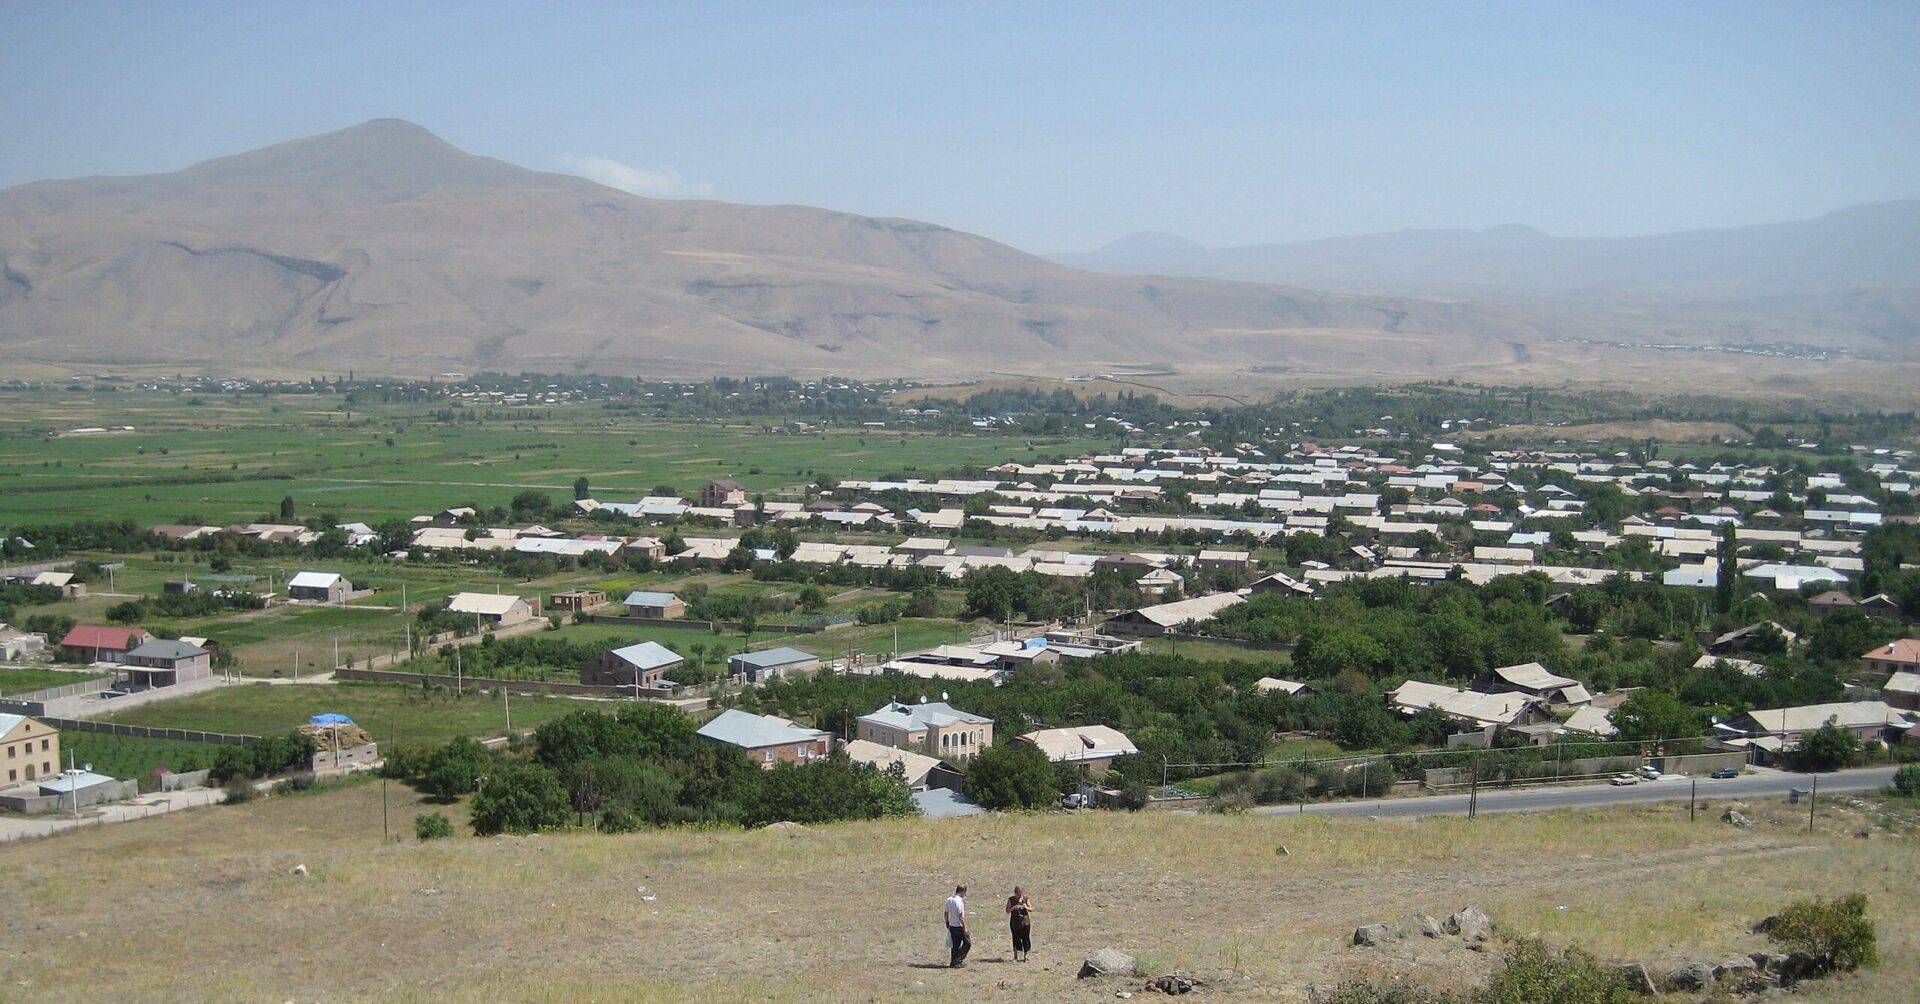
(849, 912)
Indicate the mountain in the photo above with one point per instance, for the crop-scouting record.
(1842, 254)
(384, 248)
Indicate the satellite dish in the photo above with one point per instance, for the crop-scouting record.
(943, 695)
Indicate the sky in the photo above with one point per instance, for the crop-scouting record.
(1052, 126)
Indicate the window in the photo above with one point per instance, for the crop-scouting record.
(13, 775)
(43, 745)
(769, 756)
(12, 751)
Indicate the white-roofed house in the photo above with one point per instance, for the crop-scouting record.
(1533, 678)
(645, 664)
(657, 605)
(318, 587)
(1165, 617)
(934, 728)
(767, 739)
(758, 667)
(1469, 706)
(921, 771)
(1865, 719)
(1902, 691)
(500, 610)
(1093, 747)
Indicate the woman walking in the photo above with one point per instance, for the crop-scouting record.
(1020, 922)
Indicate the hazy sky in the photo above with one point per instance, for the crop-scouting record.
(1052, 126)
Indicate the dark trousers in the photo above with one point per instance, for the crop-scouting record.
(1022, 936)
(962, 944)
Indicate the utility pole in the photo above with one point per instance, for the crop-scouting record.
(507, 702)
(392, 735)
(1813, 798)
(459, 687)
(1693, 801)
(1473, 791)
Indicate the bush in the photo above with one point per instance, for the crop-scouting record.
(519, 798)
(1834, 932)
(1533, 973)
(239, 790)
(432, 826)
(1906, 780)
(1370, 992)
(1014, 776)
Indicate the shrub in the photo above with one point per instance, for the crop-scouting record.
(1834, 932)
(1370, 992)
(239, 790)
(1014, 776)
(519, 798)
(432, 826)
(1533, 973)
(1906, 780)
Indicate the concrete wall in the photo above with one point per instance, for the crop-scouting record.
(1700, 763)
(481, 682)
(349, 757)
(181, 782)
(111, 728)
(111, 791)
(678, 622)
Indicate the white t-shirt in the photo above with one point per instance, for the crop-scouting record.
(956, 911)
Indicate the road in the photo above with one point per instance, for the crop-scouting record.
(1760, 784)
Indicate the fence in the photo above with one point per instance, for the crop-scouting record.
(69, 690)
(698, 625)
(143, 732)
(108, 791)
(181, 782)
(489, 683)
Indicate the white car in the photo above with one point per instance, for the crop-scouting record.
(1620, 779)
(1650, 773)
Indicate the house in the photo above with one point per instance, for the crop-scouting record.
(1016, 653)
(178, 587)
(659, 606)
(29, 748)
(1533, 678)
(577, 600)
(1093, 747)
(1737, 640)
(1159, 582)
(1902, 691)
(1273, 685)
(1592, 721)
(454, 516)
(1235, 560)
(179, 531)
(643, 665)
(163, 662)
(767, 739)
(1281, 582)
(722, 494)
(757, 667)
(922, 771)
(18, 646)
(93, 643)
(1472, 707)
(63, 581)
(1880, 605)
(492, 608)
(1866, 719)
(1830, 601)
(934, 728)
(1902, 655)
(319, 587)
(1158, 620)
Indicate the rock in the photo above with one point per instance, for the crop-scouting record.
(1689, 979)
(1734, 968)
(1420, 924)
(1637, 979)
(1108, 962)
(1125, 995)
(300, 869)
(1470, 923)
(1736, 818)
(1373, 935)
(787, 825)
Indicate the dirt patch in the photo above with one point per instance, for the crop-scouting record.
(1659, 430)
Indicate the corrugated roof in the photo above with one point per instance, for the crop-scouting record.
(163, 648)
(313, 580)
(489, 604)
(646, 655)
(771, 657)
(750, 731)
(644, 598)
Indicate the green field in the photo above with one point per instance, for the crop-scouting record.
(27, 680)
(1214, 651)
(386, 710)
(310, 448)
(136, 757)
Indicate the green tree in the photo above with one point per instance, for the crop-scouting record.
(454, 768)
(519, 797)
(1726, 585)
(1836, 933)
(432, 826)
(286, 507)
(1013, 776)
(813, 599)
(1906, 780)
(829, 790)
(1659, 716)
(580, 488)
(531, 504)
(1828, 747)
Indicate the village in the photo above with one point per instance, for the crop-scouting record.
(1039, 572)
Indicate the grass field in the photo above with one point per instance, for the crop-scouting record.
(26, 680)
(849, 912)
(134, 756)
(307, 446)
(1214, 651)
(386, 710)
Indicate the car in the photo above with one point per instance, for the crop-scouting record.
(1725, 772)
(1620, 779)
(1073, 801)
(1649, 773)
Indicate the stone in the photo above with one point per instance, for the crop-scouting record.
(1736, 818)
(1108, 962)
(1690, 979)
(1420, 924)
(299, 869)
(1637, 979)
(1470, 923)
(1373, 935)
(1734, 968)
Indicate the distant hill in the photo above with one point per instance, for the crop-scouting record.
(1869, 252)
(384, 248)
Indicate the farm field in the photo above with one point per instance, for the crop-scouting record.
(389, 711)
(244, 454)
(1214, 651)
(656, 916)
(26, 680)
(136, 756)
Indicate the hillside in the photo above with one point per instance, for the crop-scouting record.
(1857, 268)
(849, 912)
(384, 248)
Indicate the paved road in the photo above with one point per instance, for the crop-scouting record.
(1760, 784)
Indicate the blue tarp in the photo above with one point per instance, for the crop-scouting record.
(330, 718)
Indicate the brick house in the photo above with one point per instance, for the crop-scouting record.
(934, 728)
(767, 739)
(29, 749)
(94, 643)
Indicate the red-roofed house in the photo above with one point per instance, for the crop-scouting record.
(93, 643)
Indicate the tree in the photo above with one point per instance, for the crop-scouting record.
(1014, 776)
(830, 790)
(531, 505)
(812, 599)
(580, 489)
(1729, 574)
(1834, 932)
(286, 507)
(1906, 780)
(1828, 747)
(454, 768)
(519, 798)
(1661, 717)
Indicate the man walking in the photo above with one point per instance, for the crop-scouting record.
(958, 939)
